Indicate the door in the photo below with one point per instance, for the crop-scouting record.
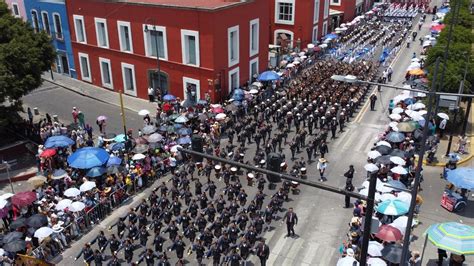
(64, 64)
(159, 84)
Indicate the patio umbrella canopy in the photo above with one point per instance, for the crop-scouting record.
(58, 141)
(72, 192)
(454, 237)
(37, 220)
(59, 174)
(88, 157)
(393, 207)
(462, 177)
(389, 233)
(24, 198)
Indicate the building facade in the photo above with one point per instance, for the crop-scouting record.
(347, 10)
(17, 7)
(51, 16)
(203, 47)
(296, 23)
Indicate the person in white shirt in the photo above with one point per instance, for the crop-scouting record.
(442, 127)
(322, 165)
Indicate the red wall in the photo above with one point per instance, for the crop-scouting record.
(348, 7)
(212, 41)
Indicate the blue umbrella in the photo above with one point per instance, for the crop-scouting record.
(118, 146)
(393, 207)
(120, 138)
(268, 75)
(96, 171)
(409, 101)
(237, 103)
(238, 95)
(443, 10)
(169, 98)
(114, 160)
(184, 140)
(462, 177)
(331, 36)
(395, 137)
(88, 157)
(455, 237)
(58, 141)
(397, 184)
(178, 126)
(185, 131)
(163, 128)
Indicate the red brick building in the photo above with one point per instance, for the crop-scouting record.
(349, 8)
(204, 46)
(295, 23)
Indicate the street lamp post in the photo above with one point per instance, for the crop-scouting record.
(122, 114)
(153, 28)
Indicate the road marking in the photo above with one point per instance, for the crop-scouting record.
(276, 250)
(327, 256)
(311, 253)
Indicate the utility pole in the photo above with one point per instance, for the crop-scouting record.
(414, 192)
(122, 114)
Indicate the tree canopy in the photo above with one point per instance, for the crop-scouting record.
(24, 56)
(460, 50)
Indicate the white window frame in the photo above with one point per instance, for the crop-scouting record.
(196, 82)
(231, 72)
(83, 55)
(35, 27)
(17, 9)
(56, 26)
(194, 33)
(314, 37)
(236, 30)
(339, 2)
(251, 62)
(106, 85)
(146, 38)
(43, 13)
(81, 18)
(326, 9)
(325, 28)
(257, 40)
(132, 67)
(277, 12)
(127, 24)
(96, 23)
(278, 31)
(317, 7)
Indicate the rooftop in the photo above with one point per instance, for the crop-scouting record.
(193, 4)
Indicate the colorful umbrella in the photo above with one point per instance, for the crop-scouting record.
(169, 98)
(96, 171)
(416, 72)
(24, 198)
(462, 177)
(185, 131)
(454, 237)
(389, 233)
(48, 153)
(407, 126)
(120, 138)
(217, 110)
(268, 76)
(88, 157)
(58, 141)
(114, 160)
(393, 207)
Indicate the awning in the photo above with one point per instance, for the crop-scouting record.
(333, 12)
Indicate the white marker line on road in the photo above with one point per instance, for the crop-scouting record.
(311, 253)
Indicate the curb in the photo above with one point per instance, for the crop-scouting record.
(17, 178)
(86, 95)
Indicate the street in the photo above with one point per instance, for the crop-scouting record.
(323, 222)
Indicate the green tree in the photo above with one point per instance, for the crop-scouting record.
(24, 56)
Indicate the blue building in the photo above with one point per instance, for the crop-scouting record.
(51, 16)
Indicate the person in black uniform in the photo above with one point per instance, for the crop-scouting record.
(263, 252)
(198, 247)
(291, 220)
(373, 99)
(98, 257)
(323, 148)
(143, 236)
(101, 240)
(120, 227)
(347, 198)
(114, 244)
(158, 243)
(216, 254)
(233, 259)
(179, 246)
(149, 256)
(128, 248)
(87, 253)
(114, 261)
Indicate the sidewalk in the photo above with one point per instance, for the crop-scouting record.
(100, 94)
(443, 146)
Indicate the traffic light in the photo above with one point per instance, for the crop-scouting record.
(274, 161)
(196, 145)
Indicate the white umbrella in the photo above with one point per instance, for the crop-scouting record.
(387, 196)
(400, 223)
(415, 60)
(143, 112)
(443, 116)
(253, 91)
(63, 204)
(221, 116)
(77, 206)
(417, 106)
(72, 192)
(422, 112)
(303, 57)
(175, 148)
(347, 261)
(415, 64)
(7, 195)
(374, 154)
(375, 249)
(395, 116)
(397, 110)
(43, 232)
(138, 156)
(371, 167)
(404, 196)
(310, 46)
(397, 160)
(88, 185)
(3, 203)
(290, 65)
(383, 143)
(381, 187)
(2, 252)
(399, 170)
(258, 84)
(376, 262)
(393, 124)
(155, 137)
(296, 62)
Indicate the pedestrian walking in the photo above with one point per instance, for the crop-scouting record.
(347, 199)
(349, 174)
(151, 94)
(263, 252)
(322, 165)
(291, 220)
(373, 99)
(389, 73)
(81, 118)
(323, 148)
(442, 127)
(75, 114)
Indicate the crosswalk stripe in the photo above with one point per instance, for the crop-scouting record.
(276, 250)
(311, 253)
(327, 256)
